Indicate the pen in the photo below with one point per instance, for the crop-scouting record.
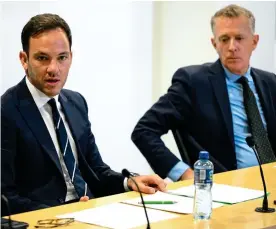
(159, 202)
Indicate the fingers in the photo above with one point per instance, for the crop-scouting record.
(148, 184)
(157, 182)
(161, 184)
(146, 189)
(84, 198)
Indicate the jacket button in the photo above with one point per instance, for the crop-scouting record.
(61, 200)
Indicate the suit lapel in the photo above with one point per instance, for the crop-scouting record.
(72, 117)
(265, 99)
(34, 120)
(76, 124)
(218, 81)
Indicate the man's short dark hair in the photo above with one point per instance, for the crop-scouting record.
(41, 23)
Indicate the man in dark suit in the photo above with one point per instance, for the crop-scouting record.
(48, 154)
(215, 106)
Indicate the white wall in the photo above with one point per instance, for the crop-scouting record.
(125, 54)
(275, 39)
(182, 36)
(275, 56)
(111, 66)
(1, 42)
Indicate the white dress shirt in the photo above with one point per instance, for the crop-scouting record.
(41, 101)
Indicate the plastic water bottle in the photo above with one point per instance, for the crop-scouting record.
(203, 181)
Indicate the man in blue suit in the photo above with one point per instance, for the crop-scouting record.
(48, 154)
(215, 106)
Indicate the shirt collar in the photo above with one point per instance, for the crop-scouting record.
(39, 97)
(234, 77)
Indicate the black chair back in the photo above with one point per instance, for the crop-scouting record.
(189, 153)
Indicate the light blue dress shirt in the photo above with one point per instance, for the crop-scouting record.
(244, 154)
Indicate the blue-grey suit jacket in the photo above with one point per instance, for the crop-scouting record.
(197, 104)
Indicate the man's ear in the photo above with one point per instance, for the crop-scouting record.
(255, 41)
(24, 60)
(71, 57)
(71, 53)
(213, 42)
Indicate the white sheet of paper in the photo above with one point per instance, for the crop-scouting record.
(183, 205)
(224, 193)
(119, 216)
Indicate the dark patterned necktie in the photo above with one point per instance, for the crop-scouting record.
(255, 123)
(66, 150)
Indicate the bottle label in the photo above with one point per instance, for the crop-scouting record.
(203, 176)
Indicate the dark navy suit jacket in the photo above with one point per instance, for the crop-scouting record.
(197, 104)
(32, 177)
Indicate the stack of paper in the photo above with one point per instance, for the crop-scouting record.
(182, 205)
(126, 215)
(223, 193)
(118, 215)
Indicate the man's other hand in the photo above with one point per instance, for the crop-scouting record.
(148, 184)
(84, 198)
(189, 174)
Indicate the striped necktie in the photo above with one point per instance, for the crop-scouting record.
(255, 123)
(66, 150)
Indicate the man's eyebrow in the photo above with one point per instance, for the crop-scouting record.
(45, 54)
(223, 35)
(64, 53)
(40, 53)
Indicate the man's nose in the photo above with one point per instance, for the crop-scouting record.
(232, 45)
(53, 67)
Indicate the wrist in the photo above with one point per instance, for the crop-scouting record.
(129, 180)
(188, 174)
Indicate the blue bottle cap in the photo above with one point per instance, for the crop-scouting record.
(203, 155)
